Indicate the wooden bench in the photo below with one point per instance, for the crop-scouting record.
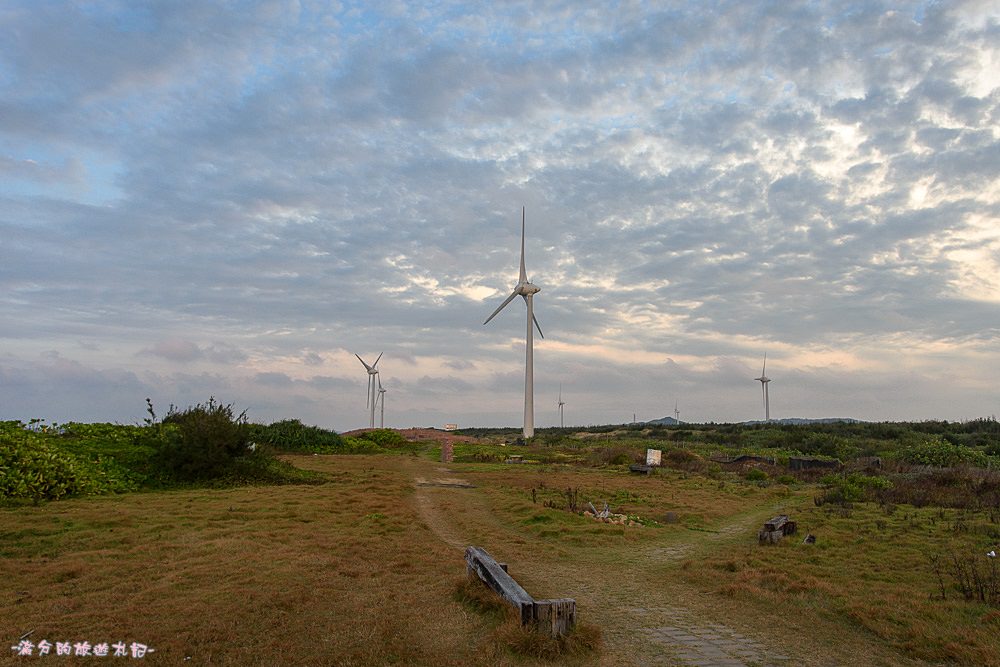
(640, 468)
(775, 529)
(554, 617)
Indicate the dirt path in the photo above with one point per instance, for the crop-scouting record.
(669, 635)
(435, 520)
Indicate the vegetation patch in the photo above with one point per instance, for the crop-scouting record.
(525, 641)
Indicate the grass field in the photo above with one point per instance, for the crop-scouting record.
(364, 570)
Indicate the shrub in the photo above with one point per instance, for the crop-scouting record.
(755, 475)
(853, 488)
(353, 445)
(202, 441)
(33, 469)
(942, 454)
(384, 437)
(291, 435)
(682, 459)
(618, 455)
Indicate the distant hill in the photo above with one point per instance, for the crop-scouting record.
(791, 421)
(795, 421)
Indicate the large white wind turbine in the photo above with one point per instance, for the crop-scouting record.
(763, 379)
(526, 290)
(372, 374)
(561, 404)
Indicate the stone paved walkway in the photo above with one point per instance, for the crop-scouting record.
(688, 642)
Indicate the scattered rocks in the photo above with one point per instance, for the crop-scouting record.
(617, 519)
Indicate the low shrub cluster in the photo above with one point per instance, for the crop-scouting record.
(963, 487)
(850, 488)
(617, 455)
(204, 444)
(384, 437)
(34, 467)
(291, 435)
(972, 576)
(935, 451)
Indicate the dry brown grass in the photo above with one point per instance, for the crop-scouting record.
(343, 573)
(362, 570)
(867, 571)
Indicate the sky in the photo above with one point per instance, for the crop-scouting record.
(233, 199)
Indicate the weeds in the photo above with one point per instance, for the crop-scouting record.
(524, 640)
(973, 576)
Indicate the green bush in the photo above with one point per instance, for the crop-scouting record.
(755, 475)
(937, 452)
(384, 437)
(852, 488)
(354, 445)
(291, 435)
(201, 442)
(29, 468)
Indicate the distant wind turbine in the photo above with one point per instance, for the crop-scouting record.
(561, 404)
(372, 374)
(763, 379)
(677, 413)
(381, 399)
(525, 289)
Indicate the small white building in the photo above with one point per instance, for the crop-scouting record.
(451, 427)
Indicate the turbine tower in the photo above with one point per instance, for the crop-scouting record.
(677, 413)
(561, 404)
(526, 290)
(381, 399)
(763, 379)
(372, 373)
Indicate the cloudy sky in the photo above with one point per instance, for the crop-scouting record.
(231, 199)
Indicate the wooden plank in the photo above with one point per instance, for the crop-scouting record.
(777, 523)
(480, 563)
(555, 617)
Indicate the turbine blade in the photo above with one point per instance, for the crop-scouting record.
(379, 382)
(533, 317)
(508, 300)
(524, 277)
(376, 361)
(762, 371)
(362, 361)
(368, 392)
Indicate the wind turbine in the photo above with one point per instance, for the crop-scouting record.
(372, 373)
(561, 404)
(526, 290)
(381, 399)
(763, 379)
(677, 413)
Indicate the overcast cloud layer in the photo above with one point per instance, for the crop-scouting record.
(199, 199)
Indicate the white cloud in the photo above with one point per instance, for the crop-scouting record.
(257, 199)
